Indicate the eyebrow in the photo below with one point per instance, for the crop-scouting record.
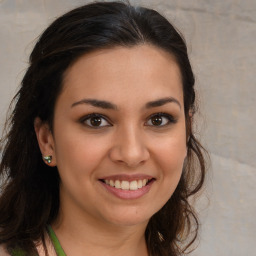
(108, 105)
(161, 102)
(96, 103)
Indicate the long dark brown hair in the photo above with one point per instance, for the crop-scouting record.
(29, 198)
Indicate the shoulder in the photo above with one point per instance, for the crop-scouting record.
(3, 251)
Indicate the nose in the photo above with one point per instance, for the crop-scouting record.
(129, 148)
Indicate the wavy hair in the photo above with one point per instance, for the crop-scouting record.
(29, 198)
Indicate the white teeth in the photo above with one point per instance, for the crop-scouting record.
(139, 183)
(134, 185)
(126, 185)
(117, 184)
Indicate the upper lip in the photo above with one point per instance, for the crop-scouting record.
(127, 177)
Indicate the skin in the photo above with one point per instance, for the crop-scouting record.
(93, 221)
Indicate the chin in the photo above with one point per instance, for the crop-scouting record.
(129, 222)
(129, 218)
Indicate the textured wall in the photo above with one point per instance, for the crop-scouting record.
(221, 37)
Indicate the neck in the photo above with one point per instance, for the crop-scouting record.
(80, 236)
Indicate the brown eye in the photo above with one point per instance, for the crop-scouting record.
(156, 120)
(160, 119)
(95, 121)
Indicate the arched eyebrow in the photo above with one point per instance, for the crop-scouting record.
(108, 105)
(161, 102)
(96, 103)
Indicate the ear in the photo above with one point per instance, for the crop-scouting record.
(45, 140)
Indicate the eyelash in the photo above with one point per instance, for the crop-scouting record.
(170, 120)
(94, 115)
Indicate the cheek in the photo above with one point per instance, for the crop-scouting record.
(171, 150)
(169, 157)
(173, 155)
(79, 153)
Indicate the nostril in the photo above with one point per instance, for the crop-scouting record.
(130, 152)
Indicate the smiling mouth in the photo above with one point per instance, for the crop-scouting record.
(127, 185)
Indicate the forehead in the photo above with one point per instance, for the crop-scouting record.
(124, 74)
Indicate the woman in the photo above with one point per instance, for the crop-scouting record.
(100, 158)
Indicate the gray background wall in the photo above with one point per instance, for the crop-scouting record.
(221, 37)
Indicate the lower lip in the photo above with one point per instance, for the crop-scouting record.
(128, 194)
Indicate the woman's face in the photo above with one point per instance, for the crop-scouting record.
(119, 137)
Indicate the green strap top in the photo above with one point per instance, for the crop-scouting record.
(17, 252)
(55, 242)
